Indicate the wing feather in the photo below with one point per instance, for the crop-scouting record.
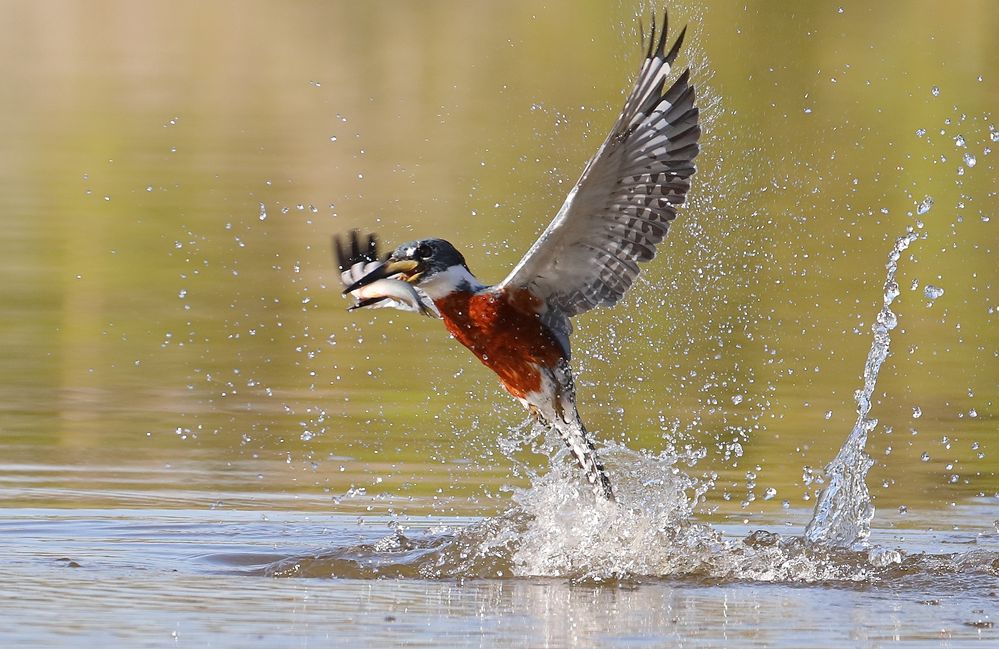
(621, 207)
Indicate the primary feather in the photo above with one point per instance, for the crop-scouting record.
(622, 204)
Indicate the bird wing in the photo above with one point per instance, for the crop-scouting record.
(621, 206)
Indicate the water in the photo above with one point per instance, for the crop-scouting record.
(156, 578)
(195, 436)
(844, 511)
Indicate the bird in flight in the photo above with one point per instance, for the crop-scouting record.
(612, 219)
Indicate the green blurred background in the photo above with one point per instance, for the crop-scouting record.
(171, 174)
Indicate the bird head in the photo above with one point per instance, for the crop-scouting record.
(423, 263)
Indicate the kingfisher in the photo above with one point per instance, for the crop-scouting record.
(613, 218)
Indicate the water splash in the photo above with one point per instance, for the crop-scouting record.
(558, 528)
(844, 511)
(573, 534)
(932, 292)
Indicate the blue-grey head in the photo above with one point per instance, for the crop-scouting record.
(431, 264)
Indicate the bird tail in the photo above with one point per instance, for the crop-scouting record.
(580, 444)
(560, 414)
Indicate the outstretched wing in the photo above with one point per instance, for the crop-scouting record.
(622, 204)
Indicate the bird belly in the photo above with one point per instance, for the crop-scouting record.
(505, 333)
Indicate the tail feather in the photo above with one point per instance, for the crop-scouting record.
(556, 407)
(576, 437)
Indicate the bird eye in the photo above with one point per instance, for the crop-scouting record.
(423, 251)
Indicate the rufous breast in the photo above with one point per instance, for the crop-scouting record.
(503, 330)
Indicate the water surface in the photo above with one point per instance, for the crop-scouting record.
(186, 408)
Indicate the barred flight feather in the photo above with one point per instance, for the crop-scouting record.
(620, 208)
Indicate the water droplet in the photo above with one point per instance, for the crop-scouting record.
(993, 134)
(891, 292)
(737, 399)
(332, 138)
(920, 132)
(182, 293)
(932, 292)
(888, 319)
(828, 414)
(917, 412)
(903, 509)
(769, 493)
(935, 91)
(969, 160)
(925, 457)
(959, 141)
(925, 205)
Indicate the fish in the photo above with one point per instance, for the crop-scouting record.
(356, 258)
(394, 293)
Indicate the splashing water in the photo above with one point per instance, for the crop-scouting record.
(932, 292)
(844, 511)
(558, 528)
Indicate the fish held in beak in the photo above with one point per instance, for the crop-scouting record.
(375, 283)
(393, 293)
(405, 270)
